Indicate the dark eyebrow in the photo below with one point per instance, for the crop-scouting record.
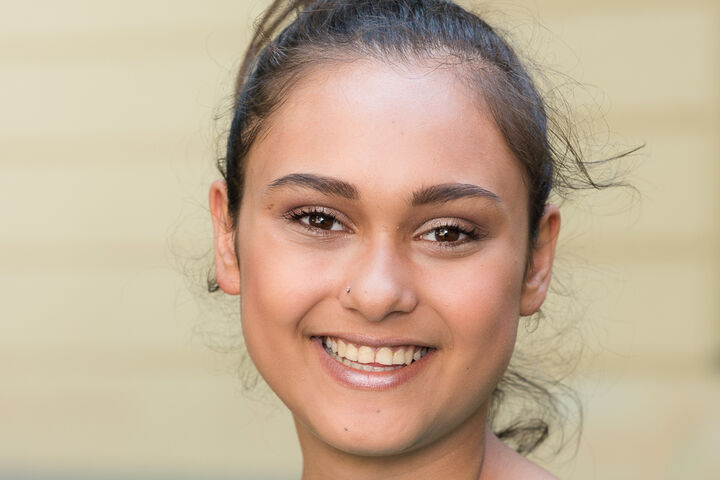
(446, 192)
(325, 185)
(441, 193)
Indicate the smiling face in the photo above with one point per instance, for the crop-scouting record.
(382, 245)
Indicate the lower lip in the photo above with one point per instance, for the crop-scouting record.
(352, 378)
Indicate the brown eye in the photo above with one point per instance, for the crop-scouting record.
(321, 221)
(447, 234)
(316, 220)
(450, 235)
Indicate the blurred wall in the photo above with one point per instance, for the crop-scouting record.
(107, 142)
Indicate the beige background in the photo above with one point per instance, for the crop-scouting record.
(106, 150)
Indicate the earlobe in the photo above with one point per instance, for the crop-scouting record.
(227, 271)
(539, 269)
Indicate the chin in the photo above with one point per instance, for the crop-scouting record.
(382, 429)
(370, 440)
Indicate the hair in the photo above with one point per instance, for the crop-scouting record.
(433, 32)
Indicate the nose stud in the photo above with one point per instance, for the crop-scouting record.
(347, 290)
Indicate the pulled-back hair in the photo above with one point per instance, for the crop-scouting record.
(435, 32)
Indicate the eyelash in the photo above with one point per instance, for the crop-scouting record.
(471, 234)
(297, 216)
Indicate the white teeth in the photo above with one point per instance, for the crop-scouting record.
(341, 348)
(351, 352)
(365, 355)
(409, 355)
(361, 366)
(360, 357)
(384, 356)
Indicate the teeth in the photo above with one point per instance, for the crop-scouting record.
(362, 357)
(366, 355)
(351, 352)
(360, 366)
(341, 348)
(409, 355)
(384, 356)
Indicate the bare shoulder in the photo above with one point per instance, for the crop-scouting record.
(502, 462)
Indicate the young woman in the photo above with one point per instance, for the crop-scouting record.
(383, 217)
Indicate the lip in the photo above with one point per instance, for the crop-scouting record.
(361, 380)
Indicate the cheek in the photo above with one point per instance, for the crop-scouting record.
(277, 276)
(280, 284)
(481, 306)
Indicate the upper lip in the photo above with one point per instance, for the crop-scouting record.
(376, 342)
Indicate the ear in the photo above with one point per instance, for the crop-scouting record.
(227, 271)
(539, 269)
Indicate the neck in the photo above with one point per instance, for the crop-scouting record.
(456, 456)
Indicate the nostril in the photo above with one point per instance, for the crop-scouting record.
(378, 283)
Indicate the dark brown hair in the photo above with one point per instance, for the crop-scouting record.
(441, 33)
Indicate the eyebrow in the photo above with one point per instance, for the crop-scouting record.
(325, 185)
(441, 193)
(446, 192)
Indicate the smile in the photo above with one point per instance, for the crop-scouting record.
(371, 359)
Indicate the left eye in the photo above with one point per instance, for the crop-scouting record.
(322, 221)
(447, 234)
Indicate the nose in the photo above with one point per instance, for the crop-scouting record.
(379, 283)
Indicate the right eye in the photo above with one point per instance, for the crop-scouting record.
(316, 219)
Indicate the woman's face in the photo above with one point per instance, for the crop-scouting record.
(382, 250)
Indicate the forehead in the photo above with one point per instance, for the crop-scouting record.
(386, 128)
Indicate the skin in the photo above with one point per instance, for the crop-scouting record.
(388, 132)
